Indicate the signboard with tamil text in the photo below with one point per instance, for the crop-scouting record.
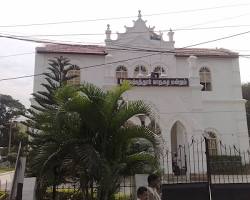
(156, 82)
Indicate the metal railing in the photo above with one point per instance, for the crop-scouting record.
(196, 162)
(70, 191)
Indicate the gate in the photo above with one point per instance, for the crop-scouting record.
(209, 170)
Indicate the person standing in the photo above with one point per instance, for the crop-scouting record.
(142, 193)
(154, 184)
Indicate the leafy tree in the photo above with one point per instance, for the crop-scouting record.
(246, 95)
(56, 77)
(44, 101)
(59, 128)
(45, 104)
(88, 139)
(10, 110)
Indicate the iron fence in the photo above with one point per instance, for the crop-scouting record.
(72, 191)
(203, 161)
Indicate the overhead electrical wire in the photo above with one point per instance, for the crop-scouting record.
(134, 49)
(188, 46)
(90, 66)
(135, 32)
(38, 40)
(161, 51)
(214, 21)
(185, 28)
(18, 54)
(122, 49)
(21, 77)
(98, 65)
(211, 27)
(125, 17)
(126, 47)
(28, 39)
(222, 38)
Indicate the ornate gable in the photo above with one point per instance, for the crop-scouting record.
(139, 35)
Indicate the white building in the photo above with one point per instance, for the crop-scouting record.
(198, 90)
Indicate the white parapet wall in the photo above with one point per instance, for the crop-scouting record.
(29, 186)
(6, 180)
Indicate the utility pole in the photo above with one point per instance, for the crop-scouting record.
(10, 133)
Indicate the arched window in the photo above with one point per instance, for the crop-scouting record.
(140, 71)
(76, 73)
(160, 70)
(205, 79)
(121, 72)
(212, 143)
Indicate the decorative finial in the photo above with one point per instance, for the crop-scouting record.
(108, 32)
(171, 35)
(139, 14)
(161, 34)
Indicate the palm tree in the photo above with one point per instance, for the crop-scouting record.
(89, 131)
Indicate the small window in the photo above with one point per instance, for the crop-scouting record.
(140, 71)
(212, 144)
(205, 79)
(75, 72)
(160, 70)
(121, 72)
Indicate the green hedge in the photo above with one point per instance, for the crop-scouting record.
(11, 157)
(222, 164)
(73, 195)
(65, 195)
(3, 195)
(122, 196)
(5, 169)
(3, 151)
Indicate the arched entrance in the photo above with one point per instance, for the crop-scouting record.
(178, 148)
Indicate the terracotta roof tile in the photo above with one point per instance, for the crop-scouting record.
(100, 50)
(205, 52)
(77, 49)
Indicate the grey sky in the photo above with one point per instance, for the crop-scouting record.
(33, 11)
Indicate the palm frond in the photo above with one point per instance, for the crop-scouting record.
(142, 162)
(94, 93)
(128, 111)
(113, 96)
(89, 156)
(142, 157)
(126, 134)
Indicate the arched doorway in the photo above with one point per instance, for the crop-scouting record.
(178, 148)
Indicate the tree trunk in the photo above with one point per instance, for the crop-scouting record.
(107, 188)
(54, 185)
(54, 192)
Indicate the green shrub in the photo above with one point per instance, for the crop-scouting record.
(11, 157)
(3, 195)
(5, 169)
(66, 194)
(122, 196)
(3, 151)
